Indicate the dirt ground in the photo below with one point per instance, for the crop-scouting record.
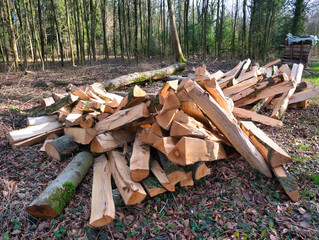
(234, 201)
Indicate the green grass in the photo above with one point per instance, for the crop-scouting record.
(312, 75)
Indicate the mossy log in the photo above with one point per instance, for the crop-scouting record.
(152, 186)
(51, 202)
(142, 76)
(67, 100)
(61, 147)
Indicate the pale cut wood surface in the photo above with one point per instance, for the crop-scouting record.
(102, 203)
(228, 127)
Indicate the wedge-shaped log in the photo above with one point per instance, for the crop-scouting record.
(140, 160)
(134, 97)
(131, 192)
(36, 139)
(61, 147)
(191, 109)
(165, 119)
(102, 203)
(67, 100)
(99, 90)
(32, 131)
(45, 102)
(81, 135)
(165, 144)
(240, 86)
(78, 92)
(282, 105)
(214, 89)
(160, 175)
(200, 170)
(152, 186)
(264, 93)
(180, 129)
(108, 141)
(122, 118)
(51, 202)
(274, 154)
(154, 134)
(247, 114)
(272, 63)
(189, 181)
(288, 182)
(304, 95)
(171, 102)
(174, 173)
(266, 83)
(170, 86)
(228, 127)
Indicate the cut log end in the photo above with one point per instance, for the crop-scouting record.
(102, 221)
(41, 211)
(138, 175)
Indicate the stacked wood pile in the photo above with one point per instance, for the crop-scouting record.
(297, 52)
(150, 143)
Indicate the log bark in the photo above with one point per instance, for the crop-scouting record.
(161, 176)
(131, 191)
(228, 127)
(61, 147)
(102, 203)
(247, 114)
(152, 186)
(142, 76)
(69, 99)
(288, 182)
(51, 202)
(174, 173)
(274, 154)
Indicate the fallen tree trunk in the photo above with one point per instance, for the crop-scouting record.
(228, 127)
(142, 76)
(51, 202)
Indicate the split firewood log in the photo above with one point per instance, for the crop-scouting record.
(102, 203)
(228, 127)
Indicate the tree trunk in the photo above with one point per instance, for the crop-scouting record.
(69, 31)
(221, 28)
(244, 29)
(41, 30)
(58, 32)
(125, 32)
(114, 29)
(12, 37)
(186, 9)
(175, 40)
(120, 29)
(103, 13)
(86, 19)
(93, 27)
(51, 202)
(234, 29)
(148, 27)
(136, 30)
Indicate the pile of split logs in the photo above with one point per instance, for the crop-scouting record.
(150, 143)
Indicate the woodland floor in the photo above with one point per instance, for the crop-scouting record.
(235, 201)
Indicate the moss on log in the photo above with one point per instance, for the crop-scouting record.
(142, 76)
(51, 202)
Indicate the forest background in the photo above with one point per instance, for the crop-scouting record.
(36, 34)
